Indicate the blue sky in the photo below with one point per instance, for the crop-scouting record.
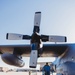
(17, 16)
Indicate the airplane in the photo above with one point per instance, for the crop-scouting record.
(65, 52)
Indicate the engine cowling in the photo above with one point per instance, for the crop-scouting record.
(12, 59)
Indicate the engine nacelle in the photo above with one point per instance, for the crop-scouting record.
(12, 59)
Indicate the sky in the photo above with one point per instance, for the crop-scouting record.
(17, 16)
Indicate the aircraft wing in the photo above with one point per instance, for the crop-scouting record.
(24, 50)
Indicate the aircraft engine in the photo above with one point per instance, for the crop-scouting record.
(12, 59)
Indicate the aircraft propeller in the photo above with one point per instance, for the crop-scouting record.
(35, 39)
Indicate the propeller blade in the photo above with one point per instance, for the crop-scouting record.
(13, 36)
(53, 38)
(37, 19)
(33, 56)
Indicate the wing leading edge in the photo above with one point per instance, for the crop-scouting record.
(24, 50)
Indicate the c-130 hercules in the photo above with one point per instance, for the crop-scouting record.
(65, 53)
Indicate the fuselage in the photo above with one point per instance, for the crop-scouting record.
(65, 64)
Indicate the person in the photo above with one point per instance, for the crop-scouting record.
(46, 69)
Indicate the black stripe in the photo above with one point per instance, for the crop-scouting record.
(65, 39)
(7, 36)
(37, 12)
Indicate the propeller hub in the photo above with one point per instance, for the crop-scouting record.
(35, 38)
